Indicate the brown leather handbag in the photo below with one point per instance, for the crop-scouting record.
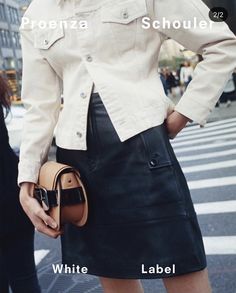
(61, 193)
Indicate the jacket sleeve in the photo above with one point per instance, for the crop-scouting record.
(217, 45)
(41, 96)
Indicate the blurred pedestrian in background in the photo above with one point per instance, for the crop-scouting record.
(170, 82)
(179, 79)
(161, 72)
(186, 74)
(234, 77)
(17, 267)
(227, 95)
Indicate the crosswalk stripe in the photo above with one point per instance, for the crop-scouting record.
(209, 166)
(208, 134)
(39, 255)
(215, 245)
(208, 125)
(218, 207)
(204, 147)
(208, 129)
(207, 155)
(212, 182)
(203, 140)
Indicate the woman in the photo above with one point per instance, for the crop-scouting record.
(115, 128)
(228, 93)
(17, 268)
(186, 74)
(171, 82)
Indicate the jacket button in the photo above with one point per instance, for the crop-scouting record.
(89, 58)
(153, 162)
(79, 134)
(125, 15)
(83, 95)
(45, 42)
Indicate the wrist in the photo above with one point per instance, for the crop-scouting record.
(184, 118)
(27, 186)
(175, 122)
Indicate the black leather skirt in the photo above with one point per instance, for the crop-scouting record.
(142, 222)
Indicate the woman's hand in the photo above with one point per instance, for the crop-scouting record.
(175, 122)
(41, 221)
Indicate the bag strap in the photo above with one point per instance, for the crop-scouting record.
(69, 196)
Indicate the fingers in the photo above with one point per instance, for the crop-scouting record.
(41, 227)
(40, 213)
(45, 224)
(41, 221)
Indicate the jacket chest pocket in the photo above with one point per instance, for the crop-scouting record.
(48, 38)
(123, 21)
(51, 43)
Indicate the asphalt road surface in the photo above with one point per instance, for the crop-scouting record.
(208, 158)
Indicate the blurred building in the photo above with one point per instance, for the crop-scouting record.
(10, 49)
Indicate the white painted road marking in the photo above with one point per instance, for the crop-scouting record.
(212, 182)
(205, 147)
(208, 134)
(193, 136)
(39, 255)
(209, 125)
(186, 134)
(218, 207)
(204, 140)
(207, 155)
(220, 245)
(210, 166)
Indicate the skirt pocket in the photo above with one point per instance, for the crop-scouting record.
(142, 186)
(161, 167)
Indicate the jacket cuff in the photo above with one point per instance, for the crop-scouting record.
(193, 110)
(28, 172)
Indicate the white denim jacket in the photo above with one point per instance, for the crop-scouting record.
(108, 43)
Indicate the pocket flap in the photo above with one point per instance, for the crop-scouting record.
(44, 38)
(124, 12)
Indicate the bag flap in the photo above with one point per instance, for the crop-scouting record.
(49, 173)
